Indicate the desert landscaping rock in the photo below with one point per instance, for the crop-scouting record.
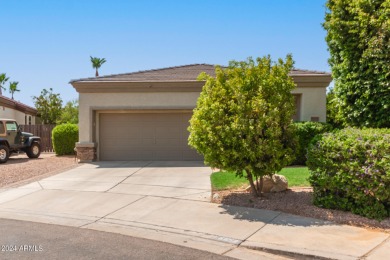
(20, 169)
(276, 183)
(216, 196)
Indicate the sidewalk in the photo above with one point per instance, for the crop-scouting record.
(183, 218)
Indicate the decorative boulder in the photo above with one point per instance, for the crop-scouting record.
(276, 183)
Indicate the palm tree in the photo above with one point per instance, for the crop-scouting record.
(13, 87)
(97, 63)
(3, 80)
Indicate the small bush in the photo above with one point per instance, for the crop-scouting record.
(306, 131)
(64, 138)
(350, 170)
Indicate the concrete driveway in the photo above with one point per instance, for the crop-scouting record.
(169, 201)
(135, 198)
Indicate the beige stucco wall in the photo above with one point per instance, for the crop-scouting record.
(9, 113)
(90, 102)
(313, 103)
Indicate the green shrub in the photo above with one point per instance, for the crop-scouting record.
(350, 170)
(64, 138)
(306, 131)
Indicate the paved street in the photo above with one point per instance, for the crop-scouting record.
(43, 241)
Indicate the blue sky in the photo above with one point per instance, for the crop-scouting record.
(46, 43)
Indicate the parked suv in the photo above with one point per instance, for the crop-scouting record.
(13, 140)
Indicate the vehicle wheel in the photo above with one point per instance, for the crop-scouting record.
(4, 153)
(34, 150)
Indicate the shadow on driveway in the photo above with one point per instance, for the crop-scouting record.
(274, 217)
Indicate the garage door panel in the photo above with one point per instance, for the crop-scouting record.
(133, 131)
(188, 154)
(146, 123)
(168, 132)
(145, 136)
(147, 132)
(136, 118)
(169, 142)
(169, 154)
(146, 142)
(111, 143)
(123, 156)
(130, 142)
(123, 132)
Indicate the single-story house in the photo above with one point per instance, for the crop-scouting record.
(23, 114)
(144, 115)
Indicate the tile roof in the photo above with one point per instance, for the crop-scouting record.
(16, 105)
(178, 73)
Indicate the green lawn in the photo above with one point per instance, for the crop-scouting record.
(223, 180)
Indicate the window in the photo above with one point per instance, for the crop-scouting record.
(12, 126)
(29, 120)
(2, 128)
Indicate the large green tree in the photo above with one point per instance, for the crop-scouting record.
(70, 113)
(97, 63)
(13, 87)
(358, 36)
(49, 106)
(3, 80)
(243, 119)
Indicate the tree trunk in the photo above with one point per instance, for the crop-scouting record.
(253, 187)
(259, 185)
(97, 73)
(260, 188)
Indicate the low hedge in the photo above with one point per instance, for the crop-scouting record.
(306, 131)
(350, 170)
(64, 138)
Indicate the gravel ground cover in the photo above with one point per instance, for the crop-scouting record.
(20, 170)
(297, 201)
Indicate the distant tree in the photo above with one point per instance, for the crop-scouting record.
(70, 113)
(13, 87)
(49, 106)
(358, 36)
(243, 119)
(97, 63)
(3, 80)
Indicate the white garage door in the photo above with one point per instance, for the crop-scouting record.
(145, 137)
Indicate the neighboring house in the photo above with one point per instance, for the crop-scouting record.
(23, 114)
(144, 115)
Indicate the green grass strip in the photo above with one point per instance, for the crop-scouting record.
(224, 180)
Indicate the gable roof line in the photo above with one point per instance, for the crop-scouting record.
(119, 77)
